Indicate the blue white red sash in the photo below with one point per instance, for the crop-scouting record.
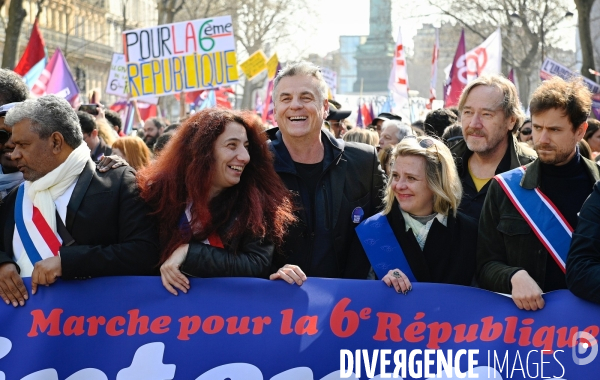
(185, 228)
(38, 239)
(382, 247)
(540, 213)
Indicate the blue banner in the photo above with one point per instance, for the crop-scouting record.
(249, 329)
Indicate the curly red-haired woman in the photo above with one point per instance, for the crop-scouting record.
(222, 208)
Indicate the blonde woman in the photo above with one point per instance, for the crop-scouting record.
(365, 136)
(106, 132)
(133, 150)
(420, 235)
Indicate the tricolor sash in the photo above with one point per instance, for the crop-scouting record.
(184, 226)
(546, 221)
(38, 239)
(382, 247)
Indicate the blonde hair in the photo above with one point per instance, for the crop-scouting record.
(360, 135)
(135, 150)
(441, 173)
(106, 132)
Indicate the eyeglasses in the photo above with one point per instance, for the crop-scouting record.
(526, 132)
(4, 136)
(425, 143)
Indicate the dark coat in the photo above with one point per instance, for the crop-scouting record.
(472, 200)
(448, 256)
(583, 261)
(252, 258)
(351, 178)
(114, 236)
(506, 243)
(101, 150)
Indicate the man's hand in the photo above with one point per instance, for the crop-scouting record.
(12, 289)
(101, 114)
(110, 162)
(525, 292)
(45, 272)
(289, 273)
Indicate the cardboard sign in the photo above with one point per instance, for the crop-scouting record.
(272, 66)
(254, 65)
(185, 56)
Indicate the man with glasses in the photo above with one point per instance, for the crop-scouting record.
(381, 118)
(337, 119)
(490, 115)
(525, 132)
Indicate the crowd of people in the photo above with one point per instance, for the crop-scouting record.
(475, 195)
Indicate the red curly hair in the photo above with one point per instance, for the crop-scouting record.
(260, 202)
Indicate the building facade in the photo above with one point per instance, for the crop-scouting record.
(87, 31)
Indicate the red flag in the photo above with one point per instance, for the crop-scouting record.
(456, 86)
(366, 115)
(34, 52)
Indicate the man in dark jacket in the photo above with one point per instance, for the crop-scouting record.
(583, 261)
(98, 147)
(49, 225)
(336, 184)
(490, 115)
(526, 222)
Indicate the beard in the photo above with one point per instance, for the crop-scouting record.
(552, 155)
(486, 145)
(150, 141)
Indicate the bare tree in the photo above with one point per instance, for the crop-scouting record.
(16, 15)
(528, 29)
(168, 9)
(259, 23)
(584, 10)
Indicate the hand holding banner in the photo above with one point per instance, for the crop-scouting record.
(132, 328)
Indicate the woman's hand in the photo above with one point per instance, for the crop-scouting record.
(290, 273)
(399, 280)
(170, 273)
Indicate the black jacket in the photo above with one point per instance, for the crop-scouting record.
(506, 243)
(114, 236)
(252, 259)
(351, 178)
(583, 261)
(448, 256)
(101, 150)
(472, 200)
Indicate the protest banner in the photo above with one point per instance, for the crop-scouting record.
(330, 77)
(171, 58)
(254, 65)
(552, 68)
(117, 77)
(272, 64)
(252, 329)
(118, 80)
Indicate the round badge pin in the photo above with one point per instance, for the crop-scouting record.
(357, 215)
